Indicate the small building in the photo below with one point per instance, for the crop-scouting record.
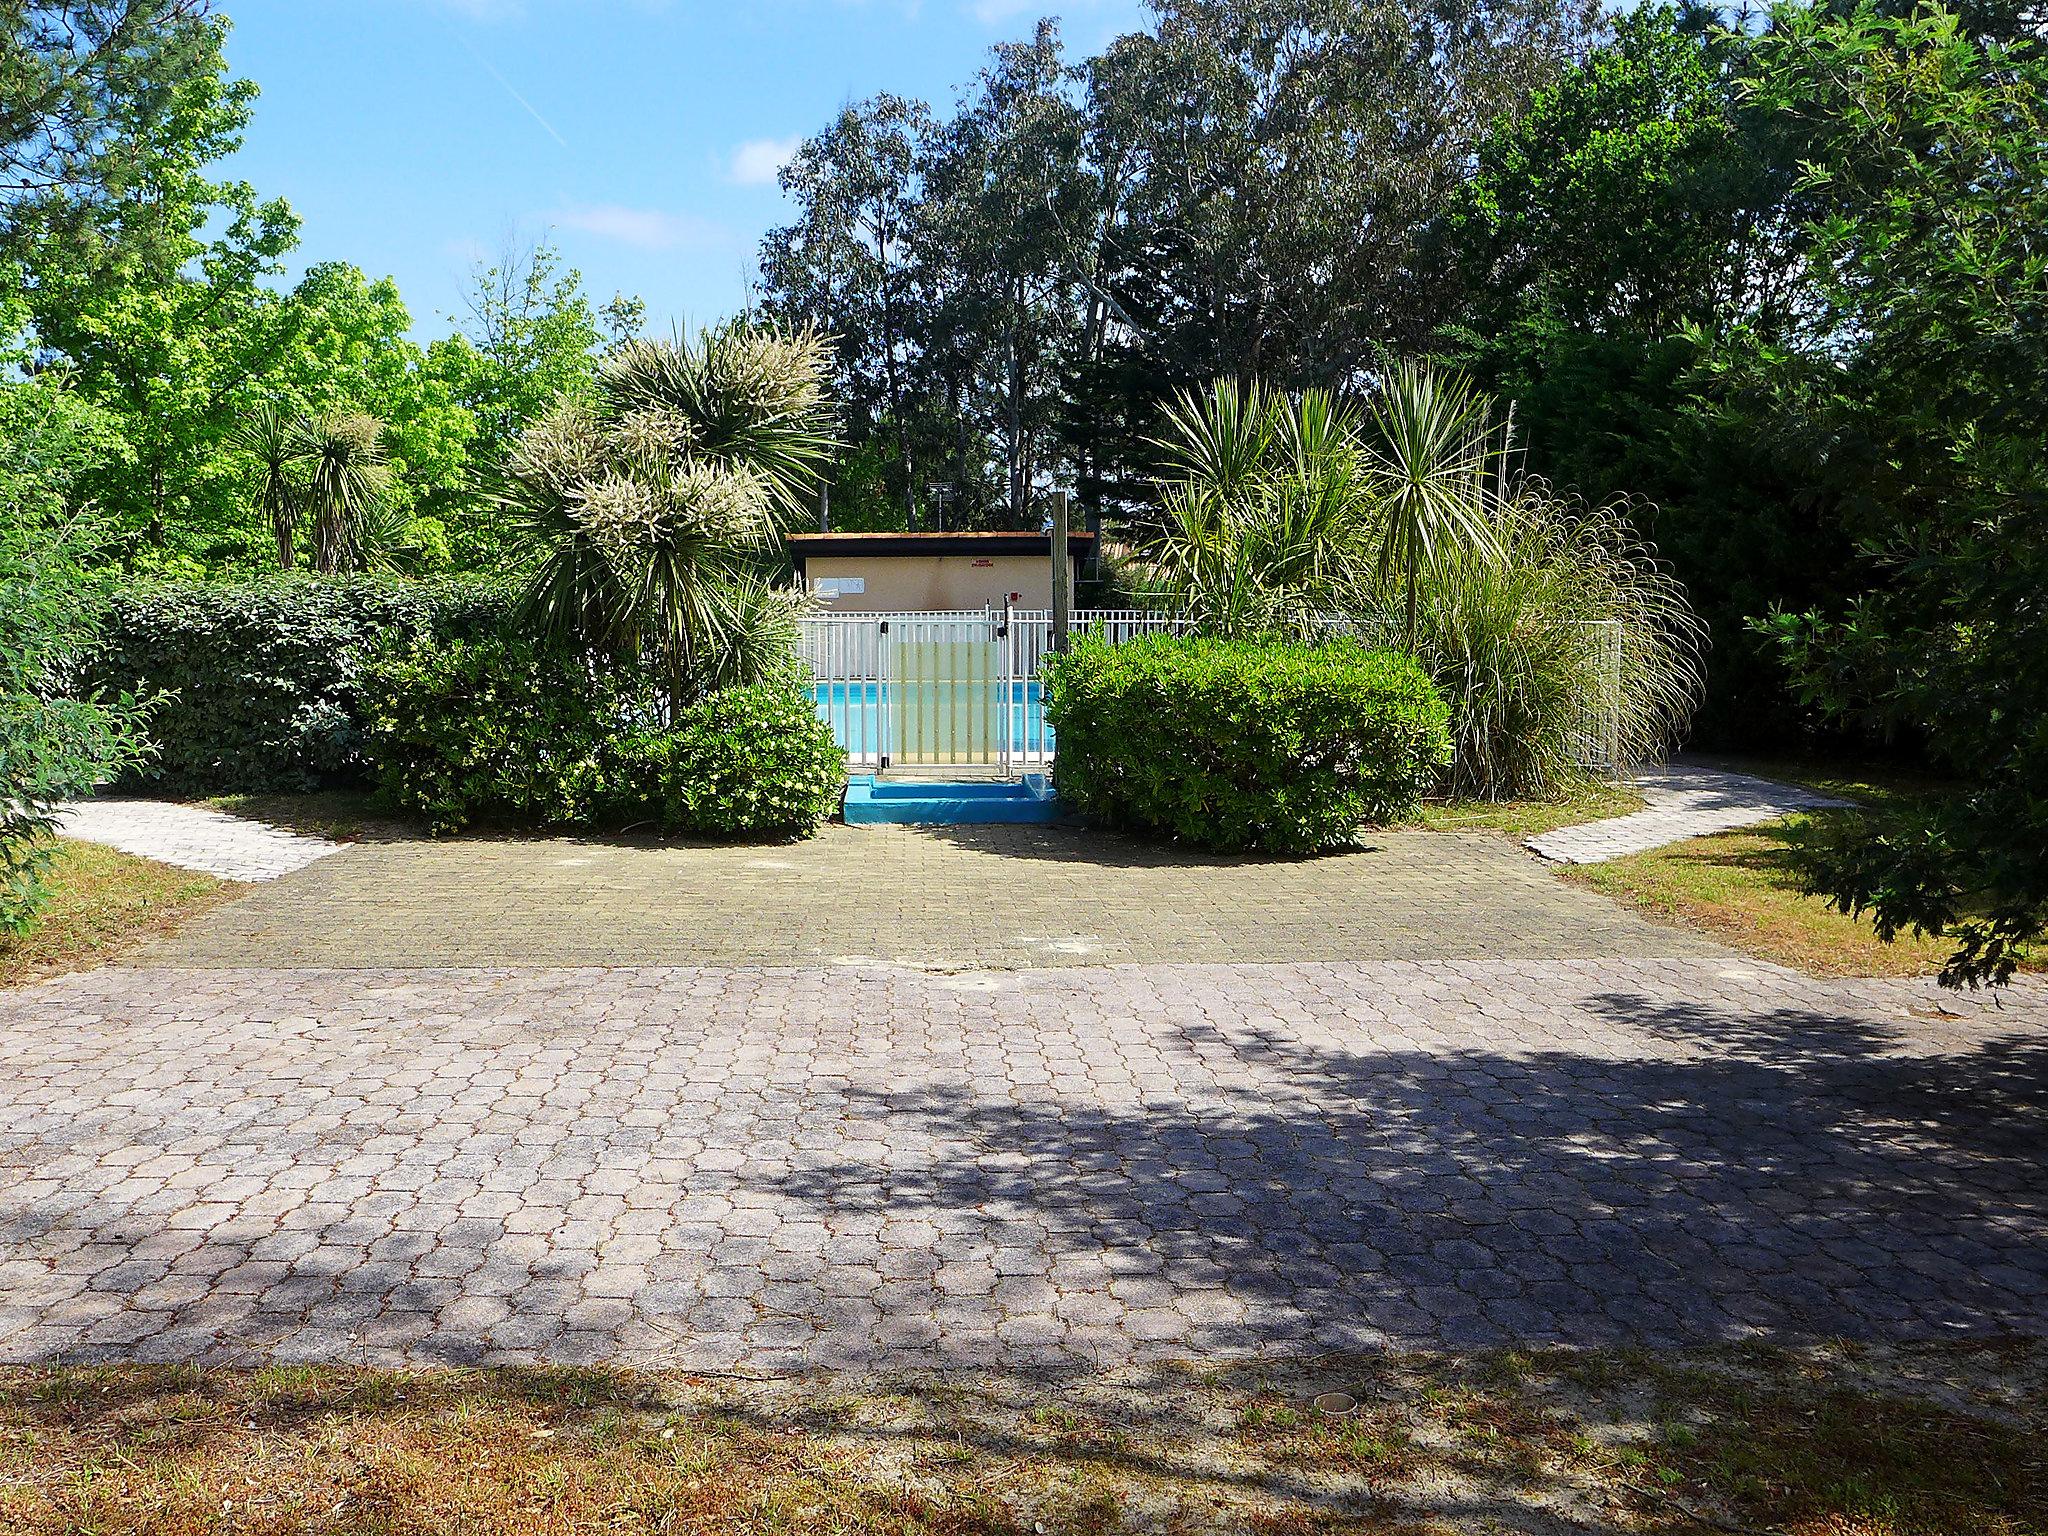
(930, 572)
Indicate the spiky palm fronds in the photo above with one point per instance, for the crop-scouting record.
(347, 480)
(1437, 458)
(276, 441)
(1264, 513)
(648, 505)
(738, 395)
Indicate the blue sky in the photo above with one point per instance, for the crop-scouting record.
(642, 136)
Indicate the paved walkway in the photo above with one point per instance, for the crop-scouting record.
(972, 897)
(1683, 801)
(193, 837)
(782, 1167)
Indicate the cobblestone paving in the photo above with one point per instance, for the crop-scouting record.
(965, 896)
(1683, 800)
(871, 1164)
(193, 837)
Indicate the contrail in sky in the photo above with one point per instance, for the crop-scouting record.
(491, 70)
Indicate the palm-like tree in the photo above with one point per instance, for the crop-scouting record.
(1435, 467)
(651, 505)
(327, 473)
(1264, 510)
(276, 442)
(347, 480)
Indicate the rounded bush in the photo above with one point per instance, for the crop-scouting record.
(1237, 745)
(502, 731)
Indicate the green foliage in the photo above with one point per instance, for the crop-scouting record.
(529, 340)
(495, 728)
(1237, 745)
(57, 741)
(1924, 358)
(1559, 643)
(260, 678)
(750, 761)
(503, 730)
(647, 509)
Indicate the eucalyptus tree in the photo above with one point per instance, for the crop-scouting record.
(1007, 215)
(846, 264)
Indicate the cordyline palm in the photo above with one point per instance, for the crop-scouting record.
(1263, 510)
(346, 482)
(650, 504)
(1435, 464)
(277, 443)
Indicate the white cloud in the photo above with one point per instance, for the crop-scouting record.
(755, 162)
(651, 229)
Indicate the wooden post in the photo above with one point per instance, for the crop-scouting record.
(1062, 574)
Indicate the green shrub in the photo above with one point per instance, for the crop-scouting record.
(743, 762)
(504, 731)
(492, 729)
(55, 742)
(260, 678)
(1243, 744)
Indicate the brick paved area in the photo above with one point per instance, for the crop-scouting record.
(840, 1165)
(1683, 800)
(974, 897)
(193, 837)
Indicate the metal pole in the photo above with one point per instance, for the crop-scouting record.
(1062, 574)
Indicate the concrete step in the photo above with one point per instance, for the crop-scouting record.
(927, 803)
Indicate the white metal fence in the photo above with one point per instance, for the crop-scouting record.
(937, 689)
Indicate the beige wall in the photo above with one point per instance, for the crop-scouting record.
(899, 583)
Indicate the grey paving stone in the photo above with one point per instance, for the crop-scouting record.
(874, 1163)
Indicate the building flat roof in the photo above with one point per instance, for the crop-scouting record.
(805, 544)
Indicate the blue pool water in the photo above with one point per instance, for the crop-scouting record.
(854, 711)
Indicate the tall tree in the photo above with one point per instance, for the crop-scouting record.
(845, 264)
(159, 296)
(81, 84)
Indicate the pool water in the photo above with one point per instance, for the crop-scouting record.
(955, 720)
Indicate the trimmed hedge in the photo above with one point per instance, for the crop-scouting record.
(1236, 745)
(260, 678)
(499, 731)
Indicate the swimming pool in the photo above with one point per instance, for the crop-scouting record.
(940, 722)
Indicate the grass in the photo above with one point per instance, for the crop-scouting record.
(1593, 800)
(1744, 887)
(103, 901)
(1933, 1440)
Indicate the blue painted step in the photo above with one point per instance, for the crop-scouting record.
(927, 805)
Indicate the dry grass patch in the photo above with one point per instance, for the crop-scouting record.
(1940, 1440)
(1744, 887)
(103, 901)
